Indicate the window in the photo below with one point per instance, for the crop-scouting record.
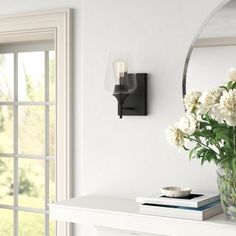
(48, 155)
(27, 138)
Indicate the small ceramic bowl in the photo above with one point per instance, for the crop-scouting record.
(175, 191)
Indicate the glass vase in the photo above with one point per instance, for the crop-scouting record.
(227, 188)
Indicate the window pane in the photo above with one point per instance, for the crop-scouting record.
(31, 224)
(31, 183)
(6, 181)
(31, 130)
(6, 222)
(6, 129)
(52, 131)
(52, 229)
(52, 182)
(6, 77)
(31, 76)
(52, 76)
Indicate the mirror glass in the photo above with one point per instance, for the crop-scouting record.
(213, 53)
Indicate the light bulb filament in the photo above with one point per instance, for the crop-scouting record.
(120, 68)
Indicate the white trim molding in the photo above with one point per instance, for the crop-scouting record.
(40, 26)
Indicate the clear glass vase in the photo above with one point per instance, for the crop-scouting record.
(227, 188)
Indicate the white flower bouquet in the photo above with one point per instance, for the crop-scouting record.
(209, 124)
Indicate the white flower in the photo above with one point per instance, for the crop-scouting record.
(231, 120)
(216, 113)
(191, 100)
(228, 102)
(228, 106)
(209, 99)
(188, 124)
(232, 74)
(175, 136)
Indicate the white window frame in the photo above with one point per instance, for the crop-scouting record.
(41, 26)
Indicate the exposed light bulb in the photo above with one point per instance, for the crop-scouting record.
(120, 68)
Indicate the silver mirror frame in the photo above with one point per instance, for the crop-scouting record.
(204, 24)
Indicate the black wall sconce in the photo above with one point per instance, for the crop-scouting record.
(129, 89)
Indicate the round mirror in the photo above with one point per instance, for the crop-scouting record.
(213, 52)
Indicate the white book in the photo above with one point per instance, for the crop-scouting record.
(189, 213)
(194, 200)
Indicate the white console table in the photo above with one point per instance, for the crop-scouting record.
(122, 214)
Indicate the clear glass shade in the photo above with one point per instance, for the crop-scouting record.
(118, 80)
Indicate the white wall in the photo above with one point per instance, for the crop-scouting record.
(158, 33)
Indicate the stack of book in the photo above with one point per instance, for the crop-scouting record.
(196, 206)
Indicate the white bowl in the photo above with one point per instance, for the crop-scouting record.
(176, 191)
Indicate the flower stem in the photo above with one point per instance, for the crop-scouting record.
(234, 140)
(203, 145)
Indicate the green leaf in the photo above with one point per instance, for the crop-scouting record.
(224, 87)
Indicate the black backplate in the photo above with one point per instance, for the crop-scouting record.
(136, 103)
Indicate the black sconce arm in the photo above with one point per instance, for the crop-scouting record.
(121, 98)
(135, 103)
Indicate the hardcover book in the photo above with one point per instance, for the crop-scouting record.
(191, 213)
(194, 200)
